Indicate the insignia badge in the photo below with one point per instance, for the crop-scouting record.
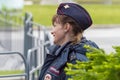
(48, 77)
(66, 6)
(54, 70)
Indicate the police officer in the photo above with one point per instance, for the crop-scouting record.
(69, 23)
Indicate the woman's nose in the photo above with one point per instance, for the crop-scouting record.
(51, 32)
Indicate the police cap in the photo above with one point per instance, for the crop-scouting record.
(77, 12)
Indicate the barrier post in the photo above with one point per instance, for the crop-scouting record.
(27, 39)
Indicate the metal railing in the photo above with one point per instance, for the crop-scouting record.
(25, 74)
(36, 54)
(34, 49)
(37, 46)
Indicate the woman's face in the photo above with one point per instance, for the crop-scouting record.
(58, 33)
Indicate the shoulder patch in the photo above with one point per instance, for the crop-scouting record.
(54, 70)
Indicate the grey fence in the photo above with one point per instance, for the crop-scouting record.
(40, 41)
(25, 74)
(33, 43)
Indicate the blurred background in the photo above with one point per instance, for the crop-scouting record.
(26, 24)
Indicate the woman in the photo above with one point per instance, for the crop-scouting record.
(69, 23)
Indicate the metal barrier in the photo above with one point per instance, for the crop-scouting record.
(34, 49)
(28, 41)
(7, 19)
(33, 65)
(36, 55)
(35, 46)
(25, 74)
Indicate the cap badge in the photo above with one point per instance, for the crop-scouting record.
(66, 6)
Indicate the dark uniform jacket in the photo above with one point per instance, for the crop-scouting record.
(57, 58)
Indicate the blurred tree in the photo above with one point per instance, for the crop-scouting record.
(94, 1)
(33, 1)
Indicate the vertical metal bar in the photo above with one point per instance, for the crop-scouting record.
(27, 39)
(35, 62)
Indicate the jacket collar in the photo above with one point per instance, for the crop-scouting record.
(58, 52)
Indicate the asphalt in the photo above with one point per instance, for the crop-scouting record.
(105, 37)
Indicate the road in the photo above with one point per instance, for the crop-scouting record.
(104, 37)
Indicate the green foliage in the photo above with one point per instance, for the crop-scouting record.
(11, 18)
(104, 14)
(9, 72)
(100, 66)
(42, 14)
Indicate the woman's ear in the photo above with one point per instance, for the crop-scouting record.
(67, 27)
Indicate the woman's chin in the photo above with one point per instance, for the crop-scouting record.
(56, 43)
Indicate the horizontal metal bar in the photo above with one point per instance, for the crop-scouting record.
(13, 75)
(24, 60)
(9, 53)
(35, 69)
